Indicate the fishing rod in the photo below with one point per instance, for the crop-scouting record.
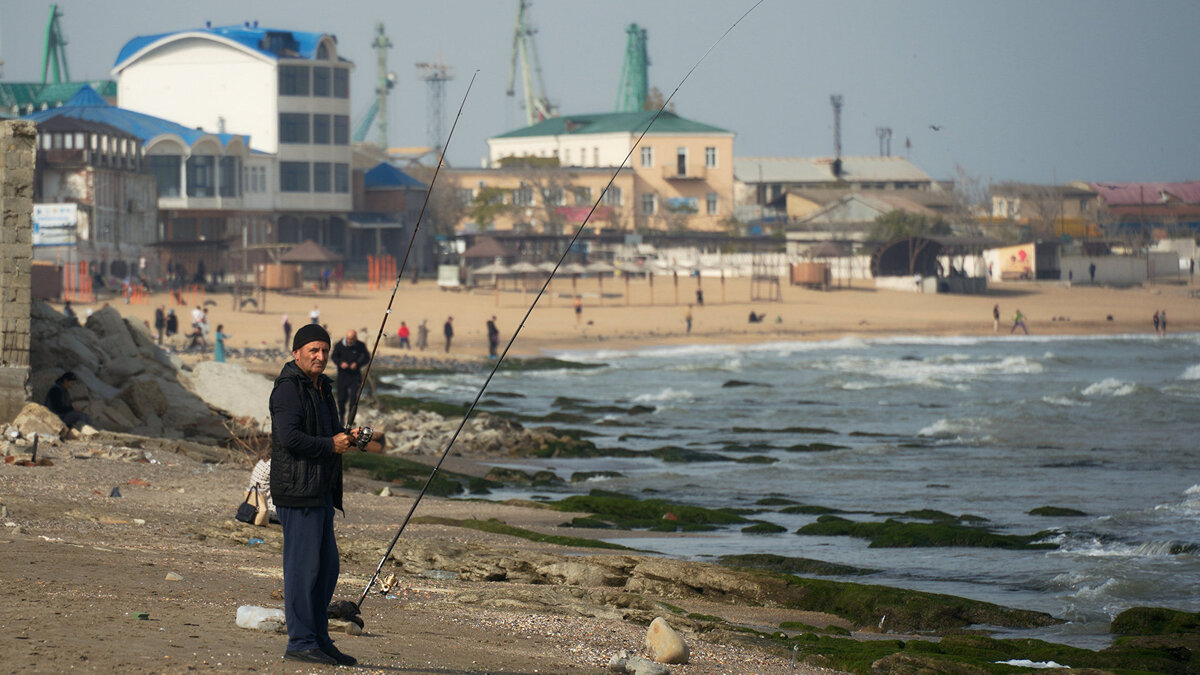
(366, 434)
(528, 312)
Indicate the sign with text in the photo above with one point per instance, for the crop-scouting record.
(54, 224)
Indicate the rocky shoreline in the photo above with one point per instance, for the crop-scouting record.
(135, 518)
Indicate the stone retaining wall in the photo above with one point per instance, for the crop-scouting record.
(17, 139)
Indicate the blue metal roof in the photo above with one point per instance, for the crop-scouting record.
(386, 175)
(271, 42)
(86, 104)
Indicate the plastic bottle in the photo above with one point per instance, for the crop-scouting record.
(251, 616)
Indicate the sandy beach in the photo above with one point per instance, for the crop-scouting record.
(638, 319)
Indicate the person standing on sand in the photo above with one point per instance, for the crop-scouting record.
(578, 309)
(423, 335)
(287, 331)
(307, 444)
(687, 318)
(996, 318)
(172, 322)
(1162, 317)
(1018, 320)
(402, 334)
(493, 337)
(1155, 320)
(448, 332)
(160, 322)
(219, 339)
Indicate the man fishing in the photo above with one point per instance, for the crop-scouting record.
(307, 444)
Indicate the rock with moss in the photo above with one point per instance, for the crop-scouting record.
(763, 528)
(674, 453)
(627, 512)
(1155, 621)
(897, 534)
(1056, 511)
(790, 565)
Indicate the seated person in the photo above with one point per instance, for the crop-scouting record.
(756, 318)
(260, 478)
(58, 400)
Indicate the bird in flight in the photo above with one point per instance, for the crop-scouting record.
(935, 127)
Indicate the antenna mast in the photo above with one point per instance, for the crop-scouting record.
(537, 106)
(885, 141)
(383, 84)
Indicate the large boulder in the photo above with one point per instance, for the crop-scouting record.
(232, 389)
(145, 397)
(37, 419)
(663, 644)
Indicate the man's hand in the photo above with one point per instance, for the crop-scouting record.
(344, 366)
(343, 443)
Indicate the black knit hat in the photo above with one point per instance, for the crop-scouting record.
(310, 332)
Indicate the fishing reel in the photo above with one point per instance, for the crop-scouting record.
(364, 437)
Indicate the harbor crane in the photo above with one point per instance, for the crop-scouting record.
(634, 87)
(524, 57)
(384, 83)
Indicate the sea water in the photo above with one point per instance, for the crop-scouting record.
(992, 427)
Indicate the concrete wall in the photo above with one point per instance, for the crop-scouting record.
(1124, 269)
(17, 141)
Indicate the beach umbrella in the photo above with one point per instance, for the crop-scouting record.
(522, 268)
(548, 268)
(574, 269)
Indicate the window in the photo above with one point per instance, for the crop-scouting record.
(523, 196)
(711, 203)
(293, 128)
(165, 169)
(647, 158)
(583, 196)
(341, 129)
(293, 80)
(649, 204)
(555, 196)
(613, 197)
(595, 156)
(293, 176)
(341, 178)
(320, 129)
(681, 162)
(200, 169)
(321, 84)
(710, 157)
(341, 83)
(465, 196)
(323, 51)
(321, 177)
(230, 168)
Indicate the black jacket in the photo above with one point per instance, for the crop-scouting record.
(356, 353)
(304, 469)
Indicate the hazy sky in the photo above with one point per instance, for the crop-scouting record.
(1023, 90)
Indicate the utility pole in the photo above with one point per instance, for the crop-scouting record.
(836, 101)
(885, 141)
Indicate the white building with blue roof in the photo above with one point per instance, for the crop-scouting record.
(288, 90)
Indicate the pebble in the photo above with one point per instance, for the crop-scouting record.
(173, 576)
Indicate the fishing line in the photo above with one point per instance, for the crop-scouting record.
(528, 312)
(350, 414)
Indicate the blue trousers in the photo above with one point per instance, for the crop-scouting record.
(310, 574)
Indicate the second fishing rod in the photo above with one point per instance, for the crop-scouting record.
(503, 355)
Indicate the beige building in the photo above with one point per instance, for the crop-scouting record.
(680, 176)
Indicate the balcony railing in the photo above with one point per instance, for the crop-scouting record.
(671, 172)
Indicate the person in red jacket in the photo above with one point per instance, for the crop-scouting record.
(402, 333)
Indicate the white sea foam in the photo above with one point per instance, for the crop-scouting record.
(953, 427)
(1192, 373)
(1064, 401)
(667, 394)
(1026, 663)
(1110, 386)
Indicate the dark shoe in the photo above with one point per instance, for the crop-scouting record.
(309, 656)
(337, 655)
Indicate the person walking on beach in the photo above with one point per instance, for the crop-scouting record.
(287, 331)
(350, 356)
(1018, 320)
(699, 297)
(1162, 317)
(493, 337)
(172, 322)
(219, 339)
(687, 318)
(1155, 320)
(578, 309)
(1092, 271)
(423, 335)
(307, 444)
(996, 318)
(314, 317)
(448, 332)
(402, 335)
